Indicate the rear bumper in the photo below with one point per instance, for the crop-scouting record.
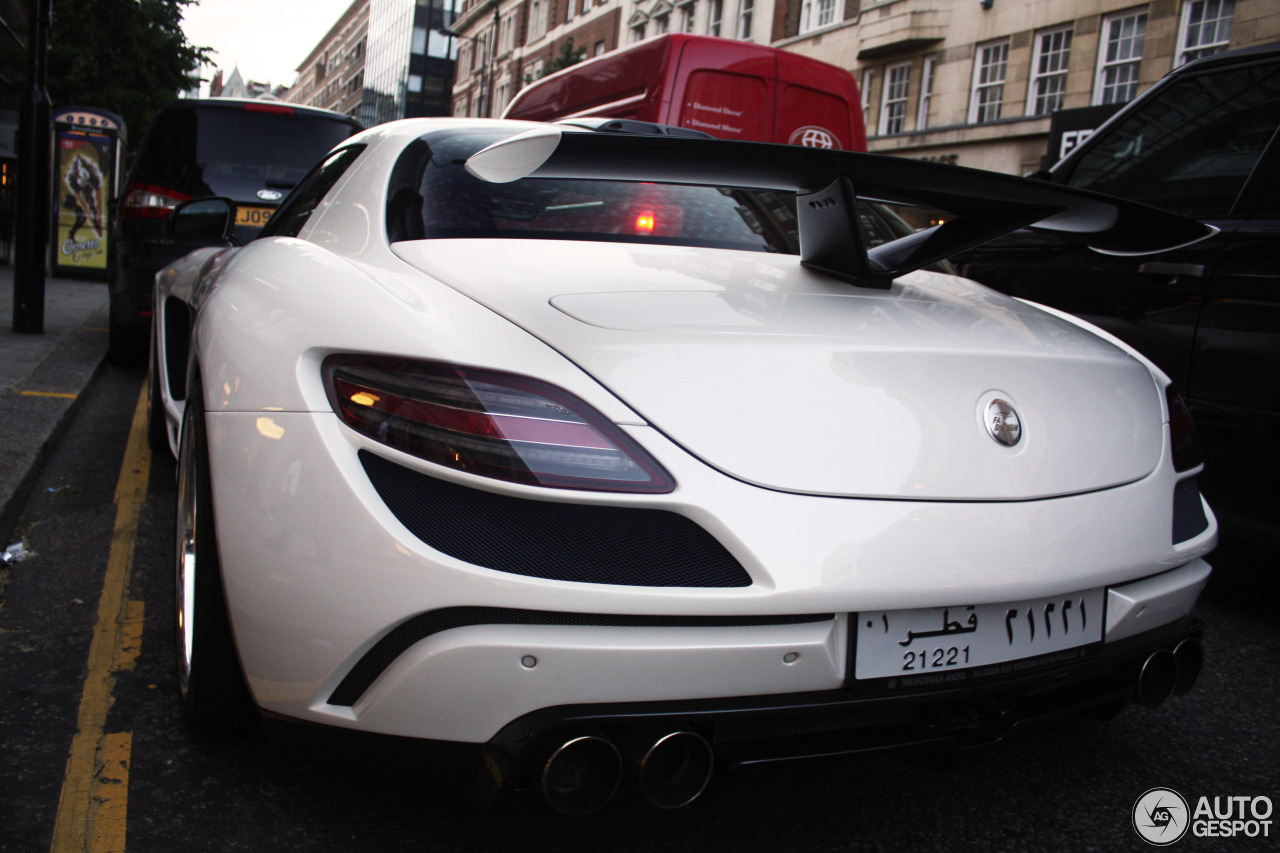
(755, 730)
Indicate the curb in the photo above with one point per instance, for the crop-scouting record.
(36, 412)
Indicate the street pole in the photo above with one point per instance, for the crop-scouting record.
(35, 132)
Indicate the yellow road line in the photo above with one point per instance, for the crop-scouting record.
(60, 394)
(92, 805)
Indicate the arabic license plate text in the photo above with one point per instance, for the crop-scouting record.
(896, 643)
(253, 216)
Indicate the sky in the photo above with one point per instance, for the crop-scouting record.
(266, 39)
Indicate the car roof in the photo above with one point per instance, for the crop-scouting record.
(240, 103)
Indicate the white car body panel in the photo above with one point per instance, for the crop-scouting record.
(884, 493)
(766, 372)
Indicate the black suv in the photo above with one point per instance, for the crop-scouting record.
(1203, 142)
(251, 152)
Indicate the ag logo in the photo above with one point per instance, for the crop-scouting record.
(812, 136)
(1161, 816)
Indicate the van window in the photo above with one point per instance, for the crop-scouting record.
(235, 152)
(1190, 149)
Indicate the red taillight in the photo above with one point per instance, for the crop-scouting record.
(645, 222)
(1187, 453)
(270, 108)
(493, 424)
(147, 201)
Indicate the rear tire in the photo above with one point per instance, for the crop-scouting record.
(215, 699)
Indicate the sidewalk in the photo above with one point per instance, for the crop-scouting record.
(42, 378)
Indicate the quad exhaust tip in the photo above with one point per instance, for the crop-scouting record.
(581, 775)
(1168, 673)
(675, 770)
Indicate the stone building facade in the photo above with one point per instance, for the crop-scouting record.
(974, 82)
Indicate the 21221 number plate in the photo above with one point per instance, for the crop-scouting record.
(895, 643)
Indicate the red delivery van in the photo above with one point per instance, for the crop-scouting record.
(729, 89)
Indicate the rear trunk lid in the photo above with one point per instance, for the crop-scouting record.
(790, 380)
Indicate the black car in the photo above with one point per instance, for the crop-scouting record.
(251, 152)
(1204, 143)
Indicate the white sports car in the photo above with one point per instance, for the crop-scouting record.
(625, 453)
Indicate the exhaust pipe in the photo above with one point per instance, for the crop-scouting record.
(1157, 678)
(1189, 655)
(581, 775)
(675, 770)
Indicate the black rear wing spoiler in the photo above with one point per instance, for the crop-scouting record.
(984, 205)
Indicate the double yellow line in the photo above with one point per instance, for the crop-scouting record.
(95, 789)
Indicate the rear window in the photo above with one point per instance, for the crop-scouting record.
(433, 196)
(1191, 148)
(235, 152)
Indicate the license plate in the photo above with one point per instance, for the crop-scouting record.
(253, 216)
(904, 643)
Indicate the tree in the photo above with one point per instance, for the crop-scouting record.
(568, 56)
(126, 56)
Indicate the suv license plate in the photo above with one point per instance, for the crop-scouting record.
(895, 643)
(254, 216)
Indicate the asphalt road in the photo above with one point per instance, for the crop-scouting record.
(153, 786)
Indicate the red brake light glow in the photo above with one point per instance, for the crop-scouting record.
(493, 424)
(269, 108)
(645, 222)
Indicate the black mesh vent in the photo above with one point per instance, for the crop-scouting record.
(558, 541)
(404, 635)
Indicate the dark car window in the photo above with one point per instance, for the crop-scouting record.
(235, 152)
(433, 196)
(1190, 149)
(294, 211)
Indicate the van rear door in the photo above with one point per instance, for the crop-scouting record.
(728, 105)
(817, 106)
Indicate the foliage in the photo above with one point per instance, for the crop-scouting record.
(125, 56)
(568, 56)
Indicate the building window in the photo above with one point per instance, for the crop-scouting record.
(745, 9)
(419, 40)
(537, 20)
(714, 16)
(893, 106)
(1119, 58)
(507, 34)
(501, 95)
(637, 33)
(816, 13)
(1049, 72)
(868, 78)
(1205, 29)
(926, 93)
(599, 49)
(569, 10)
(661, 24)
(988, 83)
(686, 17)
(415, 82)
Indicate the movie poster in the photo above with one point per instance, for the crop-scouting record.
(81, 189)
